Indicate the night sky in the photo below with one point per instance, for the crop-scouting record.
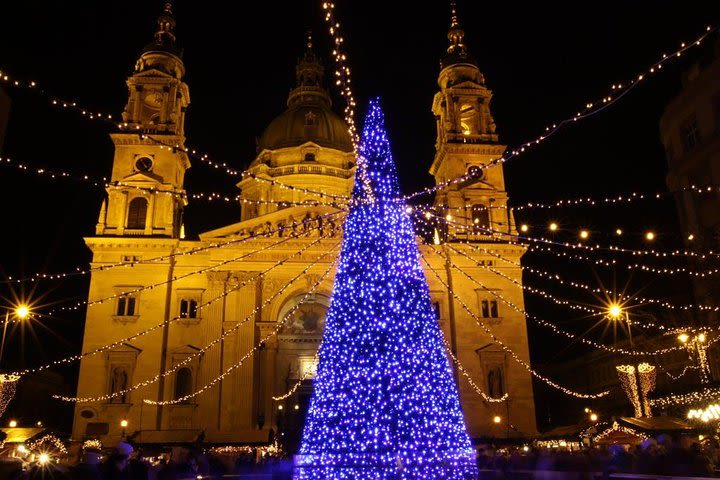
(543, 61)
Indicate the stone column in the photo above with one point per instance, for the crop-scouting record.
(211, 365)
(120, 213)
(150, 218)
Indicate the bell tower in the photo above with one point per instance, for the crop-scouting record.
(467, 142)
(145, 194)
(481, 263)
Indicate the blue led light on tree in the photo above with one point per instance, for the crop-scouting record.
(385, 404)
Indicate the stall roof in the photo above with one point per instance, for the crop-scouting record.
(658, 424)
(20, 434)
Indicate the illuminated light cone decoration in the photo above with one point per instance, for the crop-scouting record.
(385, 404)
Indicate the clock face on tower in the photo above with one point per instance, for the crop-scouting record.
(153, 99)
(143, 164)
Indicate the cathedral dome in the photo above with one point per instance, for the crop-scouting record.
(306, 121)
(309, 117)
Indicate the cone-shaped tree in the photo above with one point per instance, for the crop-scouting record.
(385, 404)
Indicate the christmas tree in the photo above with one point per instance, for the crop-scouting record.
(385, 404)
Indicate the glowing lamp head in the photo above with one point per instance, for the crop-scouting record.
(553, 227)
(615, 311)
(593, 417)
(691, 237)
(297, 407)
(280, 407)
(618, 231)
(683, 337)
(497, 419)
(587, 410)
(123, 423)
(650, 236)
(12, 423)
(584, 234)
(526, 448)
(22, 312)
(524, 228)
(44, 459)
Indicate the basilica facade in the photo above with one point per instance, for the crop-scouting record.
(234, 318)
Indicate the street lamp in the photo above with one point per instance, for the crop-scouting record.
(593, 417)
(21, 312)
(497, 419)
(123, 424)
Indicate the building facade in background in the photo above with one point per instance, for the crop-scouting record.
(256, 290)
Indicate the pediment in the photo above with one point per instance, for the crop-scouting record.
(467, 84)
(185, 350)
(152, 73)
(125, 348)
(144, 177)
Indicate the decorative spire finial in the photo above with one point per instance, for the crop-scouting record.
(165, 34)
(454, 18)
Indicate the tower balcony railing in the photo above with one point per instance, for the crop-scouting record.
(310, 170)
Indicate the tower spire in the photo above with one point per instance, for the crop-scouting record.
(457, 51)
(165, 34)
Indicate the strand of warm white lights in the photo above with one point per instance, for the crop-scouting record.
(192, 251)
(583, 286)
(469, 379)
(217, 340)
(116, 343)
(559, 301)
(616, 427)
(297, 384)
(514, 238)
(632, 266)
(179, 277)
(618, 90)
(64, 104)
(342, 71)
(708, 393)
(239, 363)
(556, 278)
(507, 349)
(558, 330)
(682, 373)
(622, 198)
(591, 108)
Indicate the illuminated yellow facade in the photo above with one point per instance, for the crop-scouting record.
(257, 272)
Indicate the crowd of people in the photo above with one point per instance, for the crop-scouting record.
(660, 456)
(663, 455)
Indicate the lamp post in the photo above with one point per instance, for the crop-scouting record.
(696, 344)
(123, 424)
(20, 312)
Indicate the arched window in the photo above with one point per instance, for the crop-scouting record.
(481, 219)
(137, 213)
(183, 383)
(496, 388)
(467, 119)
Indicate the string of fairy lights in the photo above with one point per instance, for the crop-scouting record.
(109, 346)
(262, 342)
(223, 336)
(306, 375)
(555, 328)
(134, 291)
(555, 277)
(343, 73)
(620, 90)
(567, 303)
(185, 251)
(507, 349)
